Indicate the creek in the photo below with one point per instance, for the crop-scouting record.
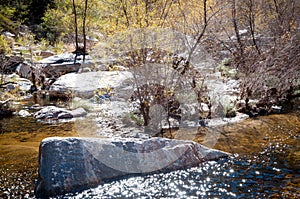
(265, 162)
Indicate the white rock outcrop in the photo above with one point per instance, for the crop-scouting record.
(84, 84)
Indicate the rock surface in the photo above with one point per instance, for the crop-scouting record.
(79, 112)
(55, 70)
(73, 164)
(24, 113)
(52, 112)
(84, 84)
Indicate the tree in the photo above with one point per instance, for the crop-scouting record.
(264, 49)
(80, 50)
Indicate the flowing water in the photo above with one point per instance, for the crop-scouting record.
(265, 163)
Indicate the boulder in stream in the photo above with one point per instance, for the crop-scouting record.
(52, 112)
(74, 164)
(24, 113)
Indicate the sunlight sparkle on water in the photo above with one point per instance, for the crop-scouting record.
(224, 179)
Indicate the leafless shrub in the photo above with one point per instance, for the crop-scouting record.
(275, 76)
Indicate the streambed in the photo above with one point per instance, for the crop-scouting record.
(266, 162)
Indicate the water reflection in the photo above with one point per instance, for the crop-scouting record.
(264, 176)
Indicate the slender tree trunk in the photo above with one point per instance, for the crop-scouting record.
(236, 30)
(124, 8)
(201, 34)
(251, 18)
(76, 31)
(84, 29)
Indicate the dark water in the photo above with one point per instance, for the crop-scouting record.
(266, 175)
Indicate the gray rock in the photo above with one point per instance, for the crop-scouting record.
(56, 65)
(65, 57)
(64, 115)
(24, 70)
(52, 112)
(24, 84)
(24, 113)
(10, 87)
(73, 164)
(55, 70)
(79, 112)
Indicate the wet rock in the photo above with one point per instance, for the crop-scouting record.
(64, 115)
(52, 112)
(24, 113)
(73, 164)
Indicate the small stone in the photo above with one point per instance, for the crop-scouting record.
(10, 87)
(79, 112)
(24, 113)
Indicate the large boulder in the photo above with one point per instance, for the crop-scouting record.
(57, 65)
(84, 84)
(73, 164)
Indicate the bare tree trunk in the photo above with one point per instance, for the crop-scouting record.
(236, 30)
(201, 34)
(84, 29)
(76, 31)
(251, 18)
(124, 8)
